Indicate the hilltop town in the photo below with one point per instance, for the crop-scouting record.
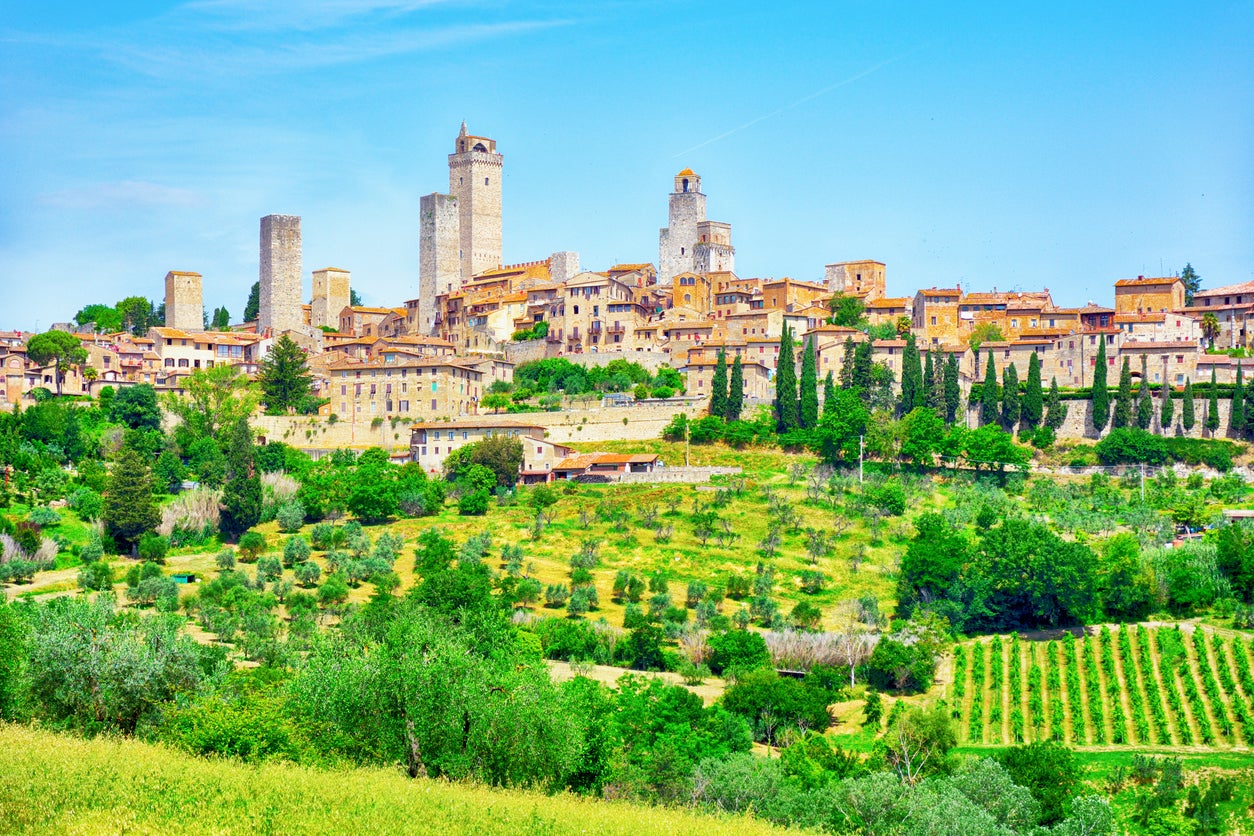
(474, 320)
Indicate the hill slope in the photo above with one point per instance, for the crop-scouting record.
(60, 784)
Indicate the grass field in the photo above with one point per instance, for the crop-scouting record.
(59, 784)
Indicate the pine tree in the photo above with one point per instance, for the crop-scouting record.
(1123, 401)
(130, 511)
(252, 307)
(808, 407)
(786, 385)
(284, 376)
(829, 392)
(1236, 411)
(1101, 395)
(989, 396)
(847, 364)
(863, 361)
(1167, 412)
(1033, 397)
(1188, 417)
(736, 391)
(953, 394)
(1011, 403)
(1192, 283)
(241, 495)
(718, 386)
(1212, 408)
(1055, 409)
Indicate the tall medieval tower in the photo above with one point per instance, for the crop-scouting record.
(184, 301)
(678, 239)
(460, 232)
(280, 275)
(474, 179)
(331, 295)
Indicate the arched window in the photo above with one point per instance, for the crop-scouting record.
(685, 184)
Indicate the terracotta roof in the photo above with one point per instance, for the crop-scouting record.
(889, 302)
(1141, 317)
(941, 291)
(359, 309)
(688, 171)
(1226, 290)
(1141, 281)
(355, 365)
(488, 424)
(1169, 344)
(182, 273)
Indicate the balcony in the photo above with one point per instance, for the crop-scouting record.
(617, 328)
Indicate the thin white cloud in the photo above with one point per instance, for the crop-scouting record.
(295, 14)
(121, 194)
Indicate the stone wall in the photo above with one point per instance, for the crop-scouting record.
(280, 275)
(1079, 423)
(677, 475)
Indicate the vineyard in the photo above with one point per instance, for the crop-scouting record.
(1132, 685)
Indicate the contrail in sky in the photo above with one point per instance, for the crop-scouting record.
(798, 103)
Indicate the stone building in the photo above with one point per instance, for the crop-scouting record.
(408, 387)
(689, 243)
(280, 296)
(331, 294)
(857, 278)
(431, 444)
(439, 261)
(1142, 295)
(184, 301)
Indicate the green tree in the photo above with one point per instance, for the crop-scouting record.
(923, 433)
(718, 386)
(847, 311)
(1192, 283)
(786, 384)
(221, 319)
(106, 319)
(1048, 770)
(1236, 414)
(252, 308)
(129, 509)
(136, 407)
(1011, 404)
(912, 393)
(863, 375)
(1166, 413)
(829, 391)
(736, 391)
(138, 315)
(989, 396)
(1055, 409)
(1123, 401)
(213, 400)
(1032, 409)
(1187, 415)
(241, 495)
(1144, 404)
(933, 392)
(1101, 395)
(168, 473)
(846, 364)
(285, 377)
(1212, 407)
(953, 394)
(808, 408)
(495, 401)
(56, 348)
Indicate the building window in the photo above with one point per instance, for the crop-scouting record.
(433, 407)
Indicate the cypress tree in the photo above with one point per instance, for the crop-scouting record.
(130, 511)
(736, 391)
(1011, 403)
(241, 495)
(1144, 406)
(1101, 395)
(1055, 409)
(1188, 416)
(1167, 412)
(829, 392)
(953, 394)
(847, 364)
(911, 378)
(1033, 397)
(989, 397)
(862, 363)
(1236, 411)
(718, 386)
(808, 409)
(786, 385)
(1123, 401)
(933, 396)
(1212, 408)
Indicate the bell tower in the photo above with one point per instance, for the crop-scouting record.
(474, 181)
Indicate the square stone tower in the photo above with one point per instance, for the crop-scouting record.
(678, 239)
(331, 295)
(439, 254)
(713, 252)
(859, 278)
(474, 179)
(563, 266)
(184, 301)
(280, 294)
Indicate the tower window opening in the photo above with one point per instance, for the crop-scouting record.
(485, 181)
(685, 184)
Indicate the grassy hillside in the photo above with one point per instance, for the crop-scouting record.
(57, 784)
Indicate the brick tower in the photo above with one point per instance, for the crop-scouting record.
(331, 295)
(474, 179)
(280, 275)
(184, 301)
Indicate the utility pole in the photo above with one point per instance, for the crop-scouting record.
(1142, 481)
(687, 434)
(861, 449)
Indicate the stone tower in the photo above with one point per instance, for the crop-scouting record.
(859, 278)
(474, 179)
(713, 252)
(280, 296)
(184, 302)
(439, 259)
(677, 240)
(331, 295)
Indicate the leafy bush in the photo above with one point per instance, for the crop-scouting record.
(251, 544)
(296, 550)
(772, 704)
(290, 516)
(153, 548)
(895, 666)
(43, 516)
(474, 503)
(738, 650)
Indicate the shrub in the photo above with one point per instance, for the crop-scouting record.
(739, 650)
(290, 516)
(87, 503)
(323, 535)
(307, 574)
(895, 666)
(153, 548)
(251, 544)
(91, 551)
(1129, 445)
(191, 515)
(269, 569)
(43, 516)
(474, 503)
(96, 576)
(296, 550)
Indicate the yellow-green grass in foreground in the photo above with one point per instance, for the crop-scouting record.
(60, 784)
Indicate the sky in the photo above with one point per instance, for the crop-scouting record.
(1010, 145)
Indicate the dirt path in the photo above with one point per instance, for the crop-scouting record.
(708, 691)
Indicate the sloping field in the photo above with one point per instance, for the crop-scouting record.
(59, 784)
(1160, 687)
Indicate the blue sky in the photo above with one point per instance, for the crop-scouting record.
(995, 144)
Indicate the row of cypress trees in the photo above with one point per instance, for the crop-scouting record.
(727, 397)
(1030, 407)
